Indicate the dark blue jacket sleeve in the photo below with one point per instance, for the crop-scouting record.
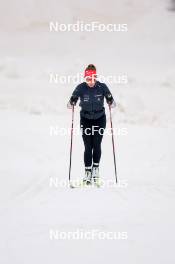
(107, 94)
(75, 95)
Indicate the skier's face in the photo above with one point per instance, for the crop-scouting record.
(90, 80)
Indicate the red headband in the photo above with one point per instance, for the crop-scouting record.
(89, 73)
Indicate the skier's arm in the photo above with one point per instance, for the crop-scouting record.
(109, 98)
(74, 98)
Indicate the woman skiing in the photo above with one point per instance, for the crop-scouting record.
(92, 119)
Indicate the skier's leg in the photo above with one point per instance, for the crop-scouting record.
(97, 139)
(88, 145)
(87, 158)
(87, 139)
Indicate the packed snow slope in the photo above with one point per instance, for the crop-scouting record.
(31, 156)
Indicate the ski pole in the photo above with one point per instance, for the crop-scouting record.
(113, 145)
(72, 127)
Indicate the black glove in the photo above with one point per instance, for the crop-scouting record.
(109, 99)
(73, 100)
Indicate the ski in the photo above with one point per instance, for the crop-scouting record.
(81, 184)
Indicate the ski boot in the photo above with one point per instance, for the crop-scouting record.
(95, 175)
(88, 177)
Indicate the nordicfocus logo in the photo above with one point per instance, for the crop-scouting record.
(56, 183)
(81, 26)
(78, 131)
(55, 78)
(94, 234)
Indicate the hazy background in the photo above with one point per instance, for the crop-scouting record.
(30, 105)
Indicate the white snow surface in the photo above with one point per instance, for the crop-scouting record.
(30, 157)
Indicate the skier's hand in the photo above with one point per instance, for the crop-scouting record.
(110, 100)
(72, 102)
(70, 105)
(112, 104)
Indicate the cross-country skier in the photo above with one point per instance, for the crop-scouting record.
(92, 119)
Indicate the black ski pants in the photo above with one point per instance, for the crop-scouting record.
(92, 133)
